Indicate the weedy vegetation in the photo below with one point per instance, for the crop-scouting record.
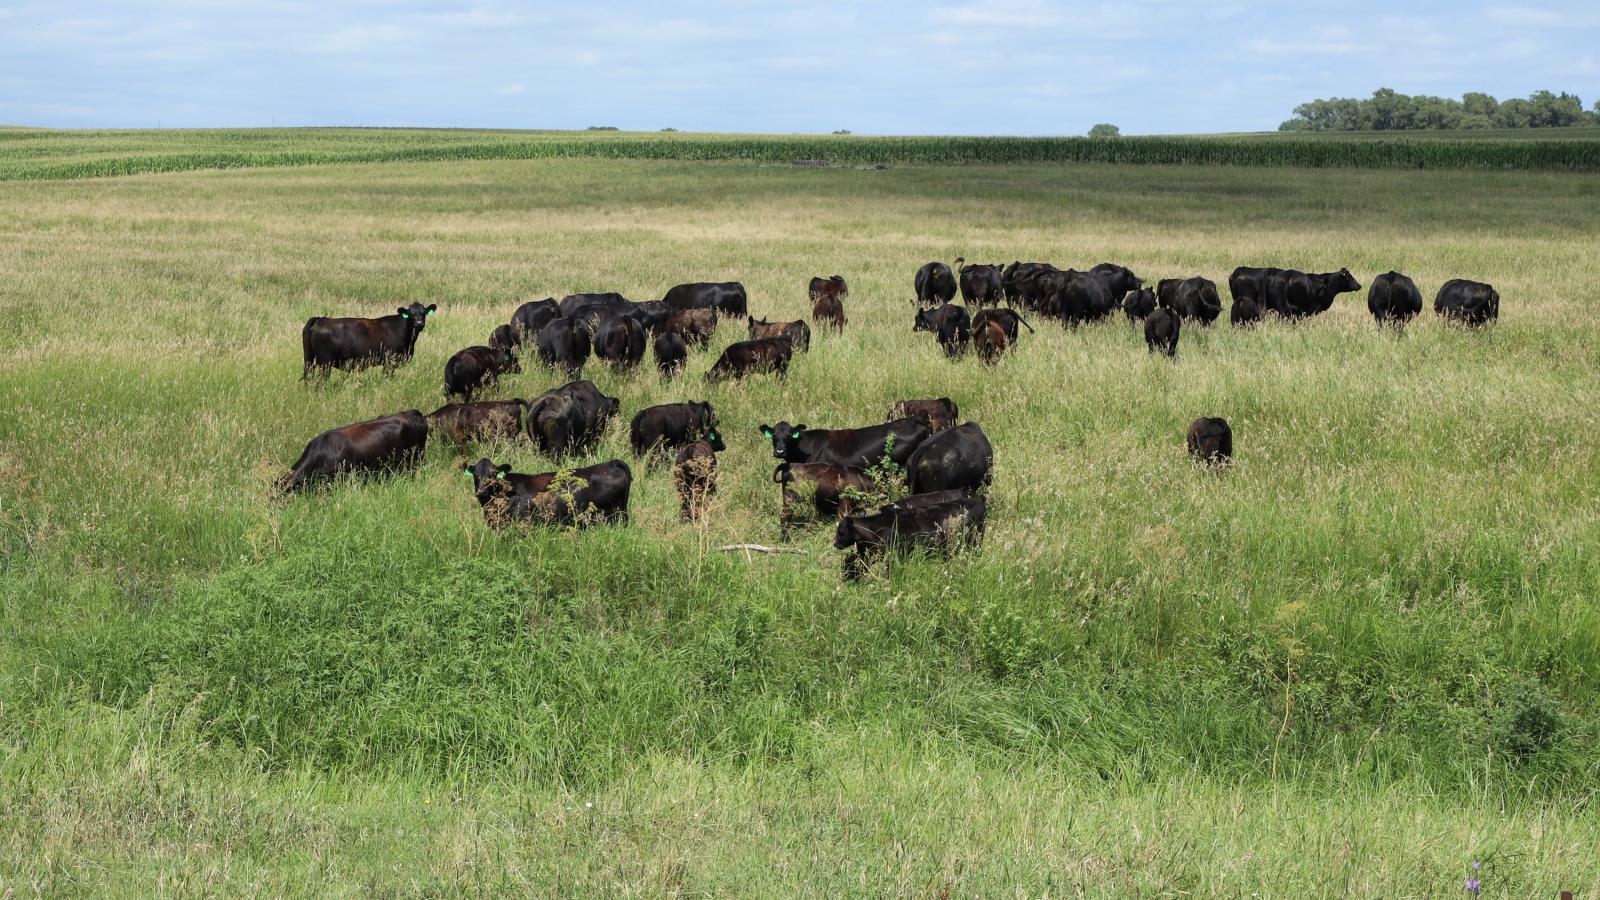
(1357, 660)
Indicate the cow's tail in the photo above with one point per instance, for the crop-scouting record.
(780, 474)
(1025, 324)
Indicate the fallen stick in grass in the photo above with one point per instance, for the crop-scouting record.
(761, 548)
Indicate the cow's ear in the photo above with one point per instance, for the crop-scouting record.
(502, 470)
(466, 469)
(433, 308)
(404, 313)
(766, 430)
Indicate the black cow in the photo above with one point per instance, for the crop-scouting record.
(827, 305)
(568, 497)
(1472, 302)
(940, 414)
(1139, 304)
(504, 337)
(934, 284)
(941, 528)
(476, 367)
(575, 305)
(1250, 281)
(1023, 284)
(1167, 292)
(330, 343)
(1083, 296)
(565, 344)
(484, 420)
(980, 284)
(834, 491)
(620, 342)
(1009, 319)
(1297, 295)
(798, 332)
(694, 473)
(386, 443)
(1210, 441)
(950, 324)
(652, 315)
(1244, 312)
(570, 419)
(671, 353)
(670, 425)
(1119, 280)
(743, 358)
(859, 448)
(531, 317)
(1393, 298)
(1197, 300)
(958, 459)
(728, 297)
(1161, 330)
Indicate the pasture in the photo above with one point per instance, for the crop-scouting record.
(1359, 659)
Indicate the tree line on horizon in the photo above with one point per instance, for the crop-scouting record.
(1390, 110)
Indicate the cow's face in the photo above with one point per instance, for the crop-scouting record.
(785, 440)
(847, 534)
(714, 438)
(416, 316)
(612, 403)
(488, 479)
(1346, 282)
(924, 321)
(509, 363)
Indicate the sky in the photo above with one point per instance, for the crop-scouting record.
(1025, 67)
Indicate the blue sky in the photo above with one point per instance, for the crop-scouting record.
(979, 67)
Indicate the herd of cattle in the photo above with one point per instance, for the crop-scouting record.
(836, 474)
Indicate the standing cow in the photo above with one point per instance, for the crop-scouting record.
(330, 343)
(386, 443)
(934, 284)
(1471, 302)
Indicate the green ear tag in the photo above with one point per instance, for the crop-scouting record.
(499, 474)
(796, 435)
(430, 312)
(405, 315)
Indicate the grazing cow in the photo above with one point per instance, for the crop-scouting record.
(857, 448)
(980, 285)
(743, 358)
(330, 343)
(1119, 280)
(1197, 300)
(570, 419)
(1210, 441)
(949, 323)
(1161, 330)
(728, 297)
(1139, 304)
(1250, 281)
(990, 342)
(564, 344)
(827, 302)
(620, 342)
(1244, 312)
(832, 286)
(1298, 295)
(670, 425)
(958, 459)
(941, 528)
(1393, 298)
(695, 326)
(934, 284)
(833, 491)
(1083, 296)
(798, 332)
(1023, 284)
(568, 497)
(694, 472)
(576, 305)
(1167, 292)
(504, 337)
(671, 353)
(476, 367)
(484, 420)
(1471, 302)
(531, 317)
(940, 414)
(652, 315)
(1009, 319)
(386, 443)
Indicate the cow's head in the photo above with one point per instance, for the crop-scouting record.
(488, 479)
(416, 316)
(613, 405)
(714, 438)
(509, 363)
(924, 321)
(1344, 281)
(849, 533)
(785, 440)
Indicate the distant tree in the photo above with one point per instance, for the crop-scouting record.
(602, 128)
(1514, 113)
(1105, 130)
(1390, 110)
(842, 131)
(1556, 110)
(1476, 104)
(669, 128)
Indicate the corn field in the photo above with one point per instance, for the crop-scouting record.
(34, 155)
